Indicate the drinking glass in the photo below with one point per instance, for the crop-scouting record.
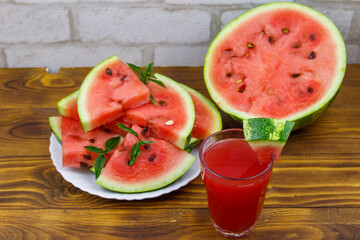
(234, 203)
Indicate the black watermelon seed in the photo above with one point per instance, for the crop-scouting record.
(228, 50)
(285, 30)
(263, 32)
(145, 130)
(271, 39)
(123, 78)
(241, 88)
(147, 146)
(312, 37)
(295, 75)
(92, 140)
(107, 130)
(84, 164)
(312, 55)
(297, 45)
(310, 89)
(152, 158)
(228, 74)
(108, 71)
(162, 103)
(250, 45)
(87, 156)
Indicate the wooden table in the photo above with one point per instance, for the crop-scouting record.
(314, 192)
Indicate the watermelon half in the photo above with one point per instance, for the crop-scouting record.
(173, 116)
(110, 88)
(159, 164)
(279, 60)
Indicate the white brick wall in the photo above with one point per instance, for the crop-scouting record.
(72, 33)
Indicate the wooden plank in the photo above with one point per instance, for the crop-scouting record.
(297, 181)
(288, 223)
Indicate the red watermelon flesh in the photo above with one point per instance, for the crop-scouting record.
(157, 165)
(170, 119)
(74, 139)
(108, 89)
(278, 63)
(113, 127)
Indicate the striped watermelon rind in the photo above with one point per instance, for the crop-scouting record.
(267, 136)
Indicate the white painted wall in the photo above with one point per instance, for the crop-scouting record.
(73, 33)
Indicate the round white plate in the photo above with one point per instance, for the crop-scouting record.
(83, 179)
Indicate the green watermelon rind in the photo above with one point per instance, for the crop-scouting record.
(63, 103)
(55, 126)
(189, 110)
(154, 184)
(306, 116)
(260, 129)
(211, 106)
(84, 115)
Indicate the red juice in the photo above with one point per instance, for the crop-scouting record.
(235, 182)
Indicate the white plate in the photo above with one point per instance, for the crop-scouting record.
(85, 180)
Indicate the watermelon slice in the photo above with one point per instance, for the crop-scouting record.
(159, 164)
(267, 137)
(74, 139)
(55, 125)
(207, 117)
(110, 88)
(172, 118)
(279, 60)
(67, 106)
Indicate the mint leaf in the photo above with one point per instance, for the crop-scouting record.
(134, 153)
(138, 71)
(99, 164)
(94, 149)
(111, 143)
(157, 82)
(129, 130)
(152, 99)
(148, 69)
(145, 142)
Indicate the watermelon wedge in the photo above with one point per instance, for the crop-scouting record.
(159, 164)
(110, 88)
(267, 137)
(279, 60)
(55, 125)
(207, 117)
(67, 106)
(74, 139)
(173, 116)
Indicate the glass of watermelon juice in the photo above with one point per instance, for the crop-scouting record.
(235, 182)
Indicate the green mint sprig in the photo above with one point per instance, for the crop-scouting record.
(110, 144)
(146, 77)
(135, 149)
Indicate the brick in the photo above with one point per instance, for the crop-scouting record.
(180, 56)
(151, 25)
(222, 2)
(45, 1)
(341, 18)
(352, 52)
(228, 16)
(69, 56)
(33, 25)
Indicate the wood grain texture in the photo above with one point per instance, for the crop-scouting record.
(314, 191)
(138, 223)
